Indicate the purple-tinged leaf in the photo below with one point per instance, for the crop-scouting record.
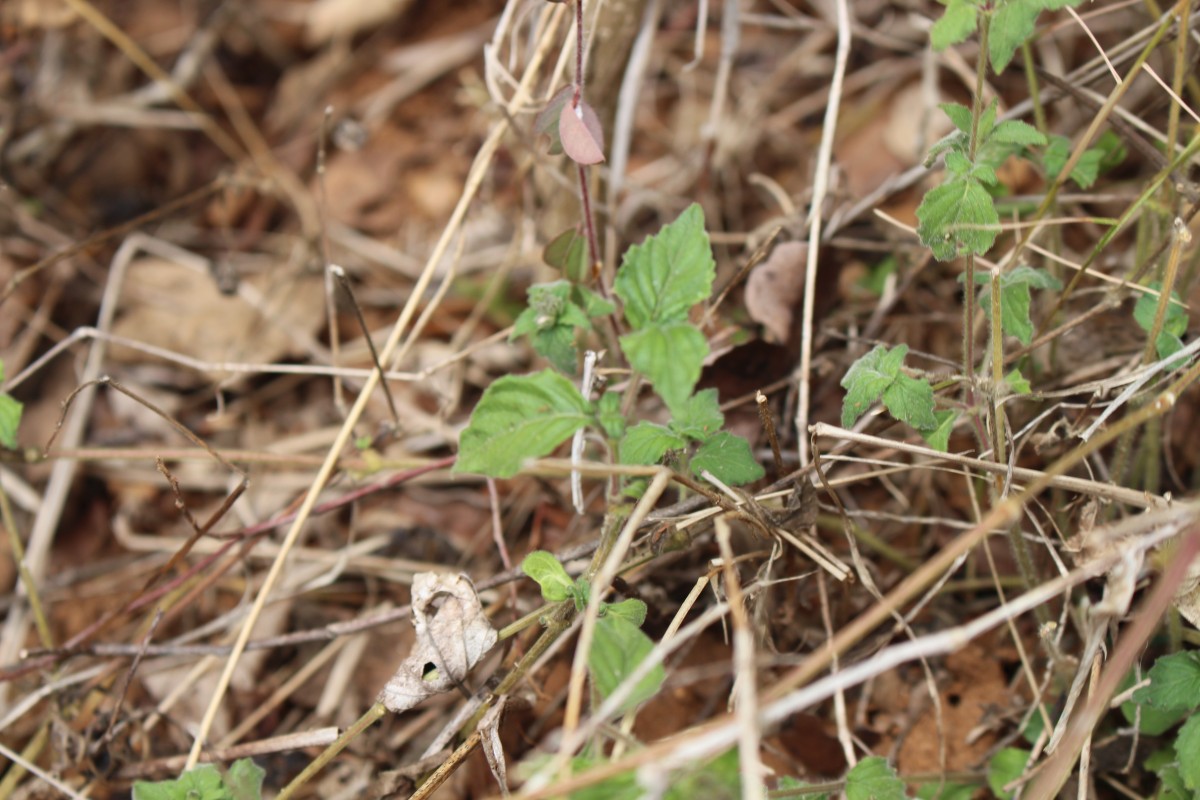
(580, 134)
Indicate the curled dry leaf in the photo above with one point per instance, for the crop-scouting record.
(493, 750)
(453, 634)
(775, 287)
(580, 133)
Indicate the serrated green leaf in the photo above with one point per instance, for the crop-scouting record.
(549, 574)
(1187, 748)
(673, 270)
(593, 304)
(1174, 682)
(958, 217)
(1151, 721)
(647, 443)
(202, 783)
(1175, 319)
(1012, 25)
(699, 416)
(557, 345)
(938, 437)
(518, 418)
(670, 355)
(1014, 131)
(608, 414)
(617, 649)
(956, 24)
(1017, 383)
(631, 610)
(1015, 298)
(10, 419)
(729, 458)
(959, 115)
(245, 779)
(873, 779)
(910, 400)
(867, 379)
(1086, 170)
(958, 164)
(1004, 768)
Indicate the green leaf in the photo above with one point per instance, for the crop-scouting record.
(715, 779)
(551, 321)
(788, 782)
(518, 418)
(202, 783)
(1187, 747)
(10, 419)
(1174, 682)
(567, 252)
(1017, 382)
(549, 574)
(956, 25)
(959, 114)
(729, 458)
(632, 610)
(1015, 298)
(608, 414)
(873, 779)
(938, 437)
(593, 304)
(1012, 25)
(1151, 721)
(673, 270)
(910, 400)
(958, 217)
(618, 647)
(946, 791)
(647, 443)
(867, 379)
(1004, 768)
(1019, 133)
(699, 417)
(1174, 321)
(245, 780)
(670, 355)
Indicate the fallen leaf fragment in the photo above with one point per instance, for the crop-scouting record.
(453, 635)
(774, 287)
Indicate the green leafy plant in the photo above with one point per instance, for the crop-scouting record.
(1012, 24)
(10, 416)
(878, 376)
(619, 644)
(1174, 325)
(243, 781)
(1174, 690)
(659, 283)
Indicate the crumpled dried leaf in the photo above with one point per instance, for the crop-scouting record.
(493, 750)
(775, 287)
(453, 634)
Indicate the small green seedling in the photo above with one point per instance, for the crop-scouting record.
(619, 645)
(659, 283)
(243, 781)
